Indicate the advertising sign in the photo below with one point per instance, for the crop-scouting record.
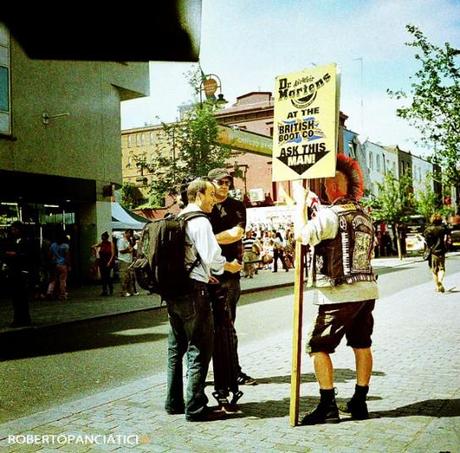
(306, 122)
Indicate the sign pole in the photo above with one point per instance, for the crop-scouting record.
(297, 333)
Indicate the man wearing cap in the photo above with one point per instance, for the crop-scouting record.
(228, 219)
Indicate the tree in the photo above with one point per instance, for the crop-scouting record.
(393, 203)
(190, 148)
(426, 199)
(435, 103)
(131, 196)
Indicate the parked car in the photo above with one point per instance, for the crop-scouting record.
(415, 244)
(455, 237)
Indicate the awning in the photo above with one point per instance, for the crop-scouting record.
(122, 219)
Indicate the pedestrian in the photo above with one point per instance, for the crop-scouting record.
(343, 236)
(190, 317)
(60, 257)
(125, 258)
(19, 259)
(278, 252)
(250, 255)
(133, 241)
(105, 252)
(228, 219)
(436, 236)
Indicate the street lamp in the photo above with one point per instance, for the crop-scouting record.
(210, 83)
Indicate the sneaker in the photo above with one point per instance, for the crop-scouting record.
(127, 295)
(206, 415)
(441, 288)
(244, 379)
(357, 409)
(230, 409)
(324, 413)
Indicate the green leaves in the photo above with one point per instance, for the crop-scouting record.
(434, 106)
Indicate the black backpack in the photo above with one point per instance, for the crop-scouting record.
(160, 263)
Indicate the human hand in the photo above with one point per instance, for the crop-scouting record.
(213, 280)
(233, 266)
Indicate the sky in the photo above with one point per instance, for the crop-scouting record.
(248, 43)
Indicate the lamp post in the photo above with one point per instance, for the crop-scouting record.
(210, 83)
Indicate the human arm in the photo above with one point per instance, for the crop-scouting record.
(236, 221)
(230, 236)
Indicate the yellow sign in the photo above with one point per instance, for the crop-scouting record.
(245, 141)
(306, 124)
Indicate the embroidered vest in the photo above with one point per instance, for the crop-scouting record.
(347, 257)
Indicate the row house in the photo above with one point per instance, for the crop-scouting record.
(385, 159)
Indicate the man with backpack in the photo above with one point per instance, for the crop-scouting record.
(190, 315)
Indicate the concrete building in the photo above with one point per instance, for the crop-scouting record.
(60, 149)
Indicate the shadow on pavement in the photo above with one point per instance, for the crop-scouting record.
(280, 408)
(82, 335)
(340, 375)
(427, 408)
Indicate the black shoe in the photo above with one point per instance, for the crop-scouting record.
(324, 413)
(357, 409)
(244, 379)
(206, 415)
(175, 411)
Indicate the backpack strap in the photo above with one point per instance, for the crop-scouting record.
(186, 217)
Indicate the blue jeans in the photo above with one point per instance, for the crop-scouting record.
(191, 334)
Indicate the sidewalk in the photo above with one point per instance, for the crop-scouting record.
(414, 399)
(86, 303)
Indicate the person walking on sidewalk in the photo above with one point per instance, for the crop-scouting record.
(278, 252)
(19, 257)
(343, 236)
(105, 251)
(228, 220)
(435, 236)
(60, 257)
(125, 258)
(190, 317)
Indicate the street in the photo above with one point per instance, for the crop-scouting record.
(414, 384)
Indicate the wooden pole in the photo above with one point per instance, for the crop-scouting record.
(297, 333)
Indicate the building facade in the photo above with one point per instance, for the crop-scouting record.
(60, 142)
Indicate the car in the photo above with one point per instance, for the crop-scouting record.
(415, 244)
(455, 237)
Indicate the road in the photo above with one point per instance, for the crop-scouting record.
(46, 367)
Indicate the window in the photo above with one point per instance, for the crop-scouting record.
(371, 166)
(377, 161)
(5, 100)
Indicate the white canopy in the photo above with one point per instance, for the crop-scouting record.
(122, 219)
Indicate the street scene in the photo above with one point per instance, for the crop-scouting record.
(230, 226)
(117, 382)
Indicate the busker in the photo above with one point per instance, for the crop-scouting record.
(190, 316)
(228, 219)
(343, 237)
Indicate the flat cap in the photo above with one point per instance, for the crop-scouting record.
(219, 173)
